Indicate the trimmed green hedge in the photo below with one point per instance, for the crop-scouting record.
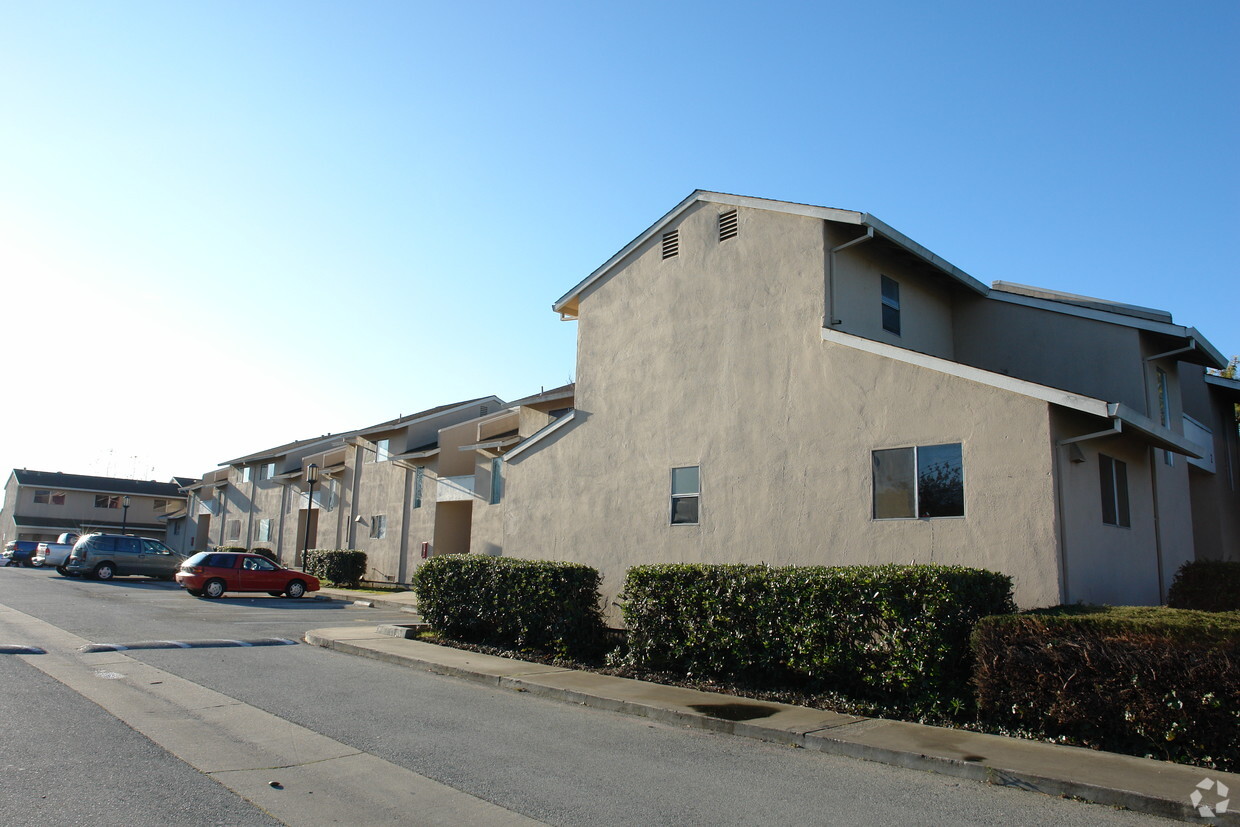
(1144, 681)
(895, 635)
(339, 566)
(231, 549)
(503, 601)
(1207, 586)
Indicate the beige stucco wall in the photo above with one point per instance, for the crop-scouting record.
(715, 358)
(1105, 563)
(1062, 351)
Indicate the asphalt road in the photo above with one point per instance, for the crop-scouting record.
(548, 761)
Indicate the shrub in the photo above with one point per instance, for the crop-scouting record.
(502, 601)
(1145, 681)
(896, 635)
(1207, 586)
(231, 549)
(266, 552)
(338, 566)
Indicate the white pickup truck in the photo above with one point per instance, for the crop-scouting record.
(55, 554)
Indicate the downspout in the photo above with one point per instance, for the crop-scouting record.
(1117, 426)
(357, 490)
(829, 319)
(280, 530)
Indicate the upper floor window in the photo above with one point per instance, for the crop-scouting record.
(378, 526)
(383, 450)
(686, 495)
(1114, 478)
(107, 501)
(159, 505)
(264, 531)
(267, 470)
(49, 497)
(925, 481)
(891, 305)
(246, 474)
(497, 479)
(1164, 409)
(418, 476)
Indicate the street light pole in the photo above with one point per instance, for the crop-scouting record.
(124, 512)
(312, 476)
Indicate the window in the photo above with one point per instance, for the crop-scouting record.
(159, 505)
(58, 498)
(923, 482)
(891, 305)
(417, 486)
(727, 225)
(266, 471)
(258, 564)
(176, 528)
(671, 244)
(1164, 410)
(378, 526)
(247, 473)
(382, 450)
(686, 492)
(49, 497)
(497, 479)
(106, 501)
(264, 531)
(1114, 478)
(234, 529)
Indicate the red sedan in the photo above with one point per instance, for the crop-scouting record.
(211, 573)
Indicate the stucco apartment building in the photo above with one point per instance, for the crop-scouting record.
(396, 489)
(764, 381)
(41, 505)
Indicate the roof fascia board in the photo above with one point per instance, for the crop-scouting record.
(494, 443)
(1224, 384)
(539, 435)
(1164, 328)
(938, 262)
(1160, 435)
(413, 419)
(52, 487)
(790, 208)
(1064, 399)
(289, 449)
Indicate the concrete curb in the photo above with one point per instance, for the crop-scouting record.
(1143, 785)
(368, 601)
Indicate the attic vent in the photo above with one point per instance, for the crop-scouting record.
(727, 225)
(671, 243)
(483, 409)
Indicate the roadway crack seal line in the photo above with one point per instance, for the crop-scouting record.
(238, 745)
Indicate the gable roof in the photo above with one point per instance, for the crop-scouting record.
(401, 421)
(565, 305)
(85, 482)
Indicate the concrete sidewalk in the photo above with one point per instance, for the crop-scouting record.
(405, 601)
(1155, 787)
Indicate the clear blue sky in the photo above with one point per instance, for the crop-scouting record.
(271, 220)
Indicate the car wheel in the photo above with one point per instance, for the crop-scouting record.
(104, 571)
(62, 571)
(194, 592)
(38, 564)
(213, 590)
(295, 589)
(275, 594)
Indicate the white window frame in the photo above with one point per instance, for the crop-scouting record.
(378, 526)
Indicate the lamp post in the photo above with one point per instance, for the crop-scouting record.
(312, 476)
(124, 512)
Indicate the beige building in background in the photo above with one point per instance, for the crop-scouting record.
(41, 505)
(762, 381)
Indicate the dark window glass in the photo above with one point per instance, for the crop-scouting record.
(220, 561)
(1113, 475)
(891, 305)
(940, 481)
(128, 545)
(893, 483)
(684, 510)
(686, 493)
(103, 544)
